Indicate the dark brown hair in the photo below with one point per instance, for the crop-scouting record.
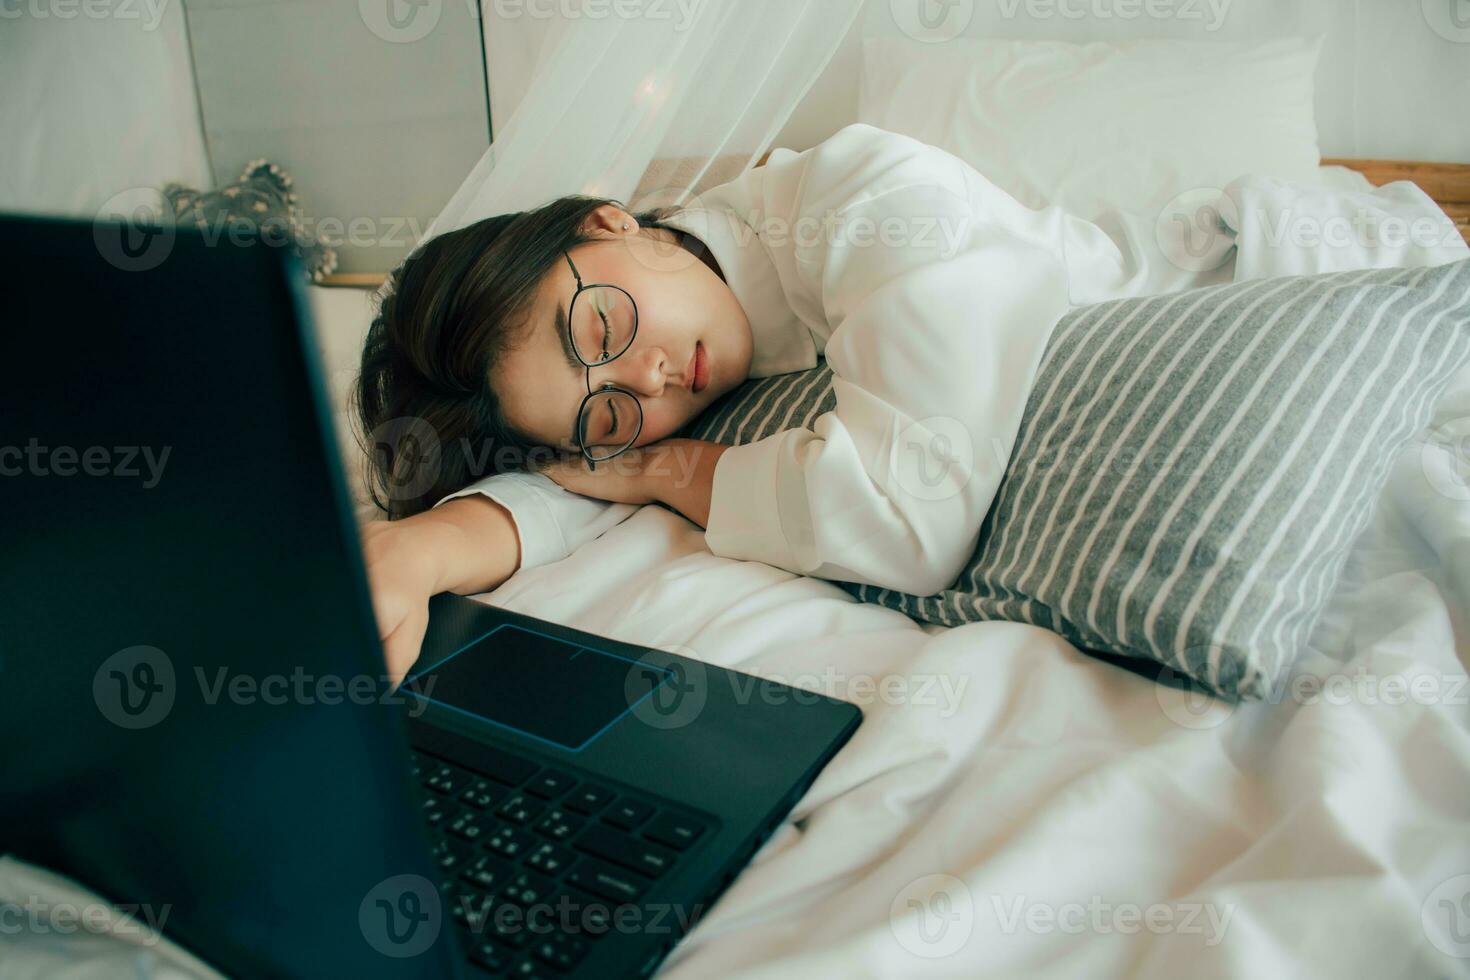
(428, 420)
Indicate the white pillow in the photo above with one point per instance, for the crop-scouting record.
(1092, 127)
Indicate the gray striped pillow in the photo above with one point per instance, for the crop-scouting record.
(1192, 469)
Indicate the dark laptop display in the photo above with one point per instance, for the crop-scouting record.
(195, 714)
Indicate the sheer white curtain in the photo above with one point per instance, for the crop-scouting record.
(648, 101)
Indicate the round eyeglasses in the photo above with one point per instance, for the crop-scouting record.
(601, 323)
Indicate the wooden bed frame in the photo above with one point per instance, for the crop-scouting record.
(1447, 183)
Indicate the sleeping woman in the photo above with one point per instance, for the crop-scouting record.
(525, 379)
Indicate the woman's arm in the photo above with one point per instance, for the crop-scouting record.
(678, 473)
(466, 545)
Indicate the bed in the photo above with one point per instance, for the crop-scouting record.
(1011, 806)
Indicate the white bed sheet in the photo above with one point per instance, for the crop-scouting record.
(1011, 806)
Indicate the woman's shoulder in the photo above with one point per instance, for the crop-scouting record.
(869, 161)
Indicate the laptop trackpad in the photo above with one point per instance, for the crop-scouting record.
(539, 685)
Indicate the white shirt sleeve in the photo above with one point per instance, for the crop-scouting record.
(933, 334)
(551, 521)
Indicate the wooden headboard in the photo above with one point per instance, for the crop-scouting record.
(1447, 183)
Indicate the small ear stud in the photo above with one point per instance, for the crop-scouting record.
(625, 226)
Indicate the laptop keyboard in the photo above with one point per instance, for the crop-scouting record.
(535, 861)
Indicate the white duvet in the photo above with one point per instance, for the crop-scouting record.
(1012, 807)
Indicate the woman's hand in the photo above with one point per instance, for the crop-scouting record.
(467, 546)
(678, 473)
(620, 480)
(402, 574)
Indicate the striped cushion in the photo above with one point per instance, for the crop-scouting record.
(1192, 469)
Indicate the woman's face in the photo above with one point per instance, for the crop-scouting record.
(681, 303)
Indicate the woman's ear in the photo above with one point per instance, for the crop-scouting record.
(609, 221)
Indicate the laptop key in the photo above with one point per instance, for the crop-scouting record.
(528, 888)
(550, 783)
(674, 830)
(469, 825)
(434, 811)
(561, 952)
(586, 914)
(481, 795)
(446, 780)
(519, 808)
(606, 880)
(639, 855)
(488, 955)
(628, 813)
(486, 871)
(507, 841)
(551, 859)
(486, 760)
(560, 825)
(589, 798)
(526, 970)
(450, 854)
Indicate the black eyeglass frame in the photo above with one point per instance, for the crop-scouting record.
(589, 365)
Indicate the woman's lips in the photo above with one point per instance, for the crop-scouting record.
(701, 367)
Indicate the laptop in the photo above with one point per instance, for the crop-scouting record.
(195, 719)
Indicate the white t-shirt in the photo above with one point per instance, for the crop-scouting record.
(931, 293)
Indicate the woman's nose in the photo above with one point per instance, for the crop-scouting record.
(645, 372)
